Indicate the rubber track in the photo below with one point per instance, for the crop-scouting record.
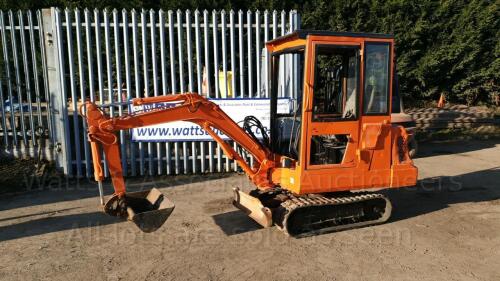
(296, 202)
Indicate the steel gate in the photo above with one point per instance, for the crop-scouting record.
(53, 60)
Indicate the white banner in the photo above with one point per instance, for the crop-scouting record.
(237, 109)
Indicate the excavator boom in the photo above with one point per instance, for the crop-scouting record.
(189, 107)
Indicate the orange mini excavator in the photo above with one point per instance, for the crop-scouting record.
(317, 166)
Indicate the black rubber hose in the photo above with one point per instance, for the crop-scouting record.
(251, 121)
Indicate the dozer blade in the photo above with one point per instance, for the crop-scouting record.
(253, 208)
(147, 209)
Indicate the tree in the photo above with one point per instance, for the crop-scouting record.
(448, 46)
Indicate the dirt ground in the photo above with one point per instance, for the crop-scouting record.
(446, 228)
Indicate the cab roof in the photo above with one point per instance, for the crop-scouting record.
(303, 33)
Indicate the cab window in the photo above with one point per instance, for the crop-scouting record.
(376, 92)
(335, 83)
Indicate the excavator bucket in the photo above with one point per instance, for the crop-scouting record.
(147, 209)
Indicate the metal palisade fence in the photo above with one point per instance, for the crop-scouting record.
(53, 60)
(24, 97)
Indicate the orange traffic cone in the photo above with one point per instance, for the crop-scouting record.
(441, 101)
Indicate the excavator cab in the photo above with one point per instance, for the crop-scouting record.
(332, 144)
(337, 135)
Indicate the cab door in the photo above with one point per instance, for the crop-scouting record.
(342, 135)
(375, 143)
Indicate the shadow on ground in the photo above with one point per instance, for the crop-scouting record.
(37, 214)
(235, 222)
(434, 194)
(54, 224)
(434, 148)
(58, 189)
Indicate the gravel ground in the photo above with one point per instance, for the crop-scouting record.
(446, 228)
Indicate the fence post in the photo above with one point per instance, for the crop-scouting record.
(57, 102)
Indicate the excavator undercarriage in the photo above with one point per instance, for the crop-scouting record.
(312, 214)
(313, 170)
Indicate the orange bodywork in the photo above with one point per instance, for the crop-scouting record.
(372, 158)
(376, 154)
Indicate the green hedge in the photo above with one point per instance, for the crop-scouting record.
(448, 46)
